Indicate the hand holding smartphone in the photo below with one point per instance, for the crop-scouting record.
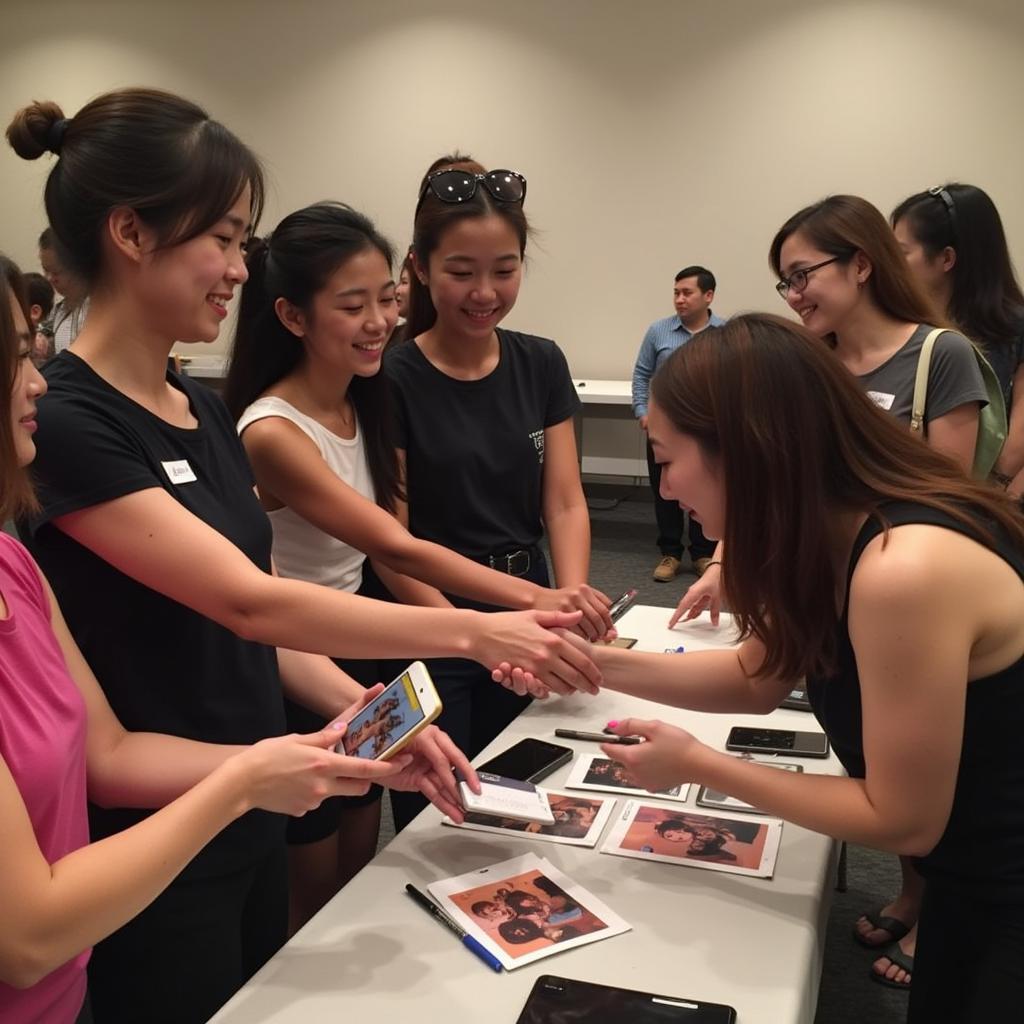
(622, 604)
(398, 714)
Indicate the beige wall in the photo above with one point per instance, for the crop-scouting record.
(654, 133)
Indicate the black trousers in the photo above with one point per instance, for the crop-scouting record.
(475, 708)
(671, 519)
(187, 953)
(969, 960)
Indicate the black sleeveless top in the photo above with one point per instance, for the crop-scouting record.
(983, 844)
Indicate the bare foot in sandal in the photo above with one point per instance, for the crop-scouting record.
(896, 967)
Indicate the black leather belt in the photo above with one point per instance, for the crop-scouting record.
(515, 563)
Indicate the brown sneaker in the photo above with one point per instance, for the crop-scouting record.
(667, 569)
(701, 565)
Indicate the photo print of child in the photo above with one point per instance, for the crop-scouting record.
(524, 909)
(579, 820)
(527, 912)
(746, 846)
(593, 771)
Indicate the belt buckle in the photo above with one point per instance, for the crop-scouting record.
(524, 561)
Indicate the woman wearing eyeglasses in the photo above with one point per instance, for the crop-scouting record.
(954, 242)
(484, 416)
(842, 271)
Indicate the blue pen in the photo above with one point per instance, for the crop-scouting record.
(467, 940)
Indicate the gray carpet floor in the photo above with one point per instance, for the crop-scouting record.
(624, 555)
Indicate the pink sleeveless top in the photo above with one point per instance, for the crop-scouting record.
(42, 742)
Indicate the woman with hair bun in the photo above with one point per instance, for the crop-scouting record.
(59, 740)
(157, 546)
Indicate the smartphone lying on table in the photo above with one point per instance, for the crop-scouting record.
(555, 1000)
(777, 741)
(529, 760)
(398, 714)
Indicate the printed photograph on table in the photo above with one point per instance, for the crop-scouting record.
(525, 909)
(723, 802)
(382, 724)
(595, 771)
(747, 846)
(579, 821)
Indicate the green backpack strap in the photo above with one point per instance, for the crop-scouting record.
(991, 419)
(924, 364)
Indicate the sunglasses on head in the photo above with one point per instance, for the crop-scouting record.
(455, 186)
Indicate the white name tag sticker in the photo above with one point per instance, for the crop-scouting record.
(179, 472)
(880, 398)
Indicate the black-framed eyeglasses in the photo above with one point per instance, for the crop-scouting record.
(798, 279)
(946, 199)
(455, 186)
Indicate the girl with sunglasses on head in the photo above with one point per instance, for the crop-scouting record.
(484, 420)
(314, 415)
(60, 741)
(154, 539)
(871, 564)
(955, 245)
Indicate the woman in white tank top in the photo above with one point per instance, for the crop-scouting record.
(314, 416)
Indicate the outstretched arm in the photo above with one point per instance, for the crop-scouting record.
(144, 533)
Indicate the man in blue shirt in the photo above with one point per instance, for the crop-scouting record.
(693, 293)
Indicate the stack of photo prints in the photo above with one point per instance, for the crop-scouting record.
(524, 909)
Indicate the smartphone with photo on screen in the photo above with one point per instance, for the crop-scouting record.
(398, 714)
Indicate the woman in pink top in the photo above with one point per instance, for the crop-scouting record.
(59, 740)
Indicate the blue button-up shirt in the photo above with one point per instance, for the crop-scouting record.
(663, 337)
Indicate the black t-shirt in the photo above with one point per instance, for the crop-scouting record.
(163, 667)
(475, 449)
(982, 847)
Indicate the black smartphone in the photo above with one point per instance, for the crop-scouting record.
(528, 760)
(554, 1000)
(622, 604)
(797, 700)
(777, 741)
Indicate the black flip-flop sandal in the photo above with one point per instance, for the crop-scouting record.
(900, 959)
(893, 925)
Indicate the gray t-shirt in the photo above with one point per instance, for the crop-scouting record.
(953, 377)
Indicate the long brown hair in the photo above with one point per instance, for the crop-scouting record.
(797, 442)
(842, 226)
(16, 495)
